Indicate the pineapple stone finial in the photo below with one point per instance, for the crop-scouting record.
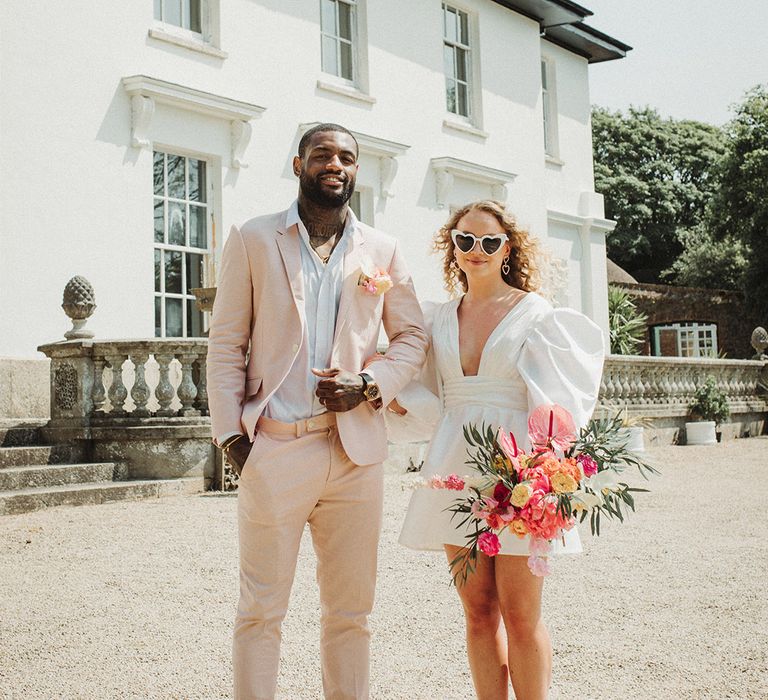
(79, 303)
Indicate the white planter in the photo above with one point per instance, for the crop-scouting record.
(634, 437)
(700, 433)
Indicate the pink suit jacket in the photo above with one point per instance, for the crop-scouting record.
(259, 303)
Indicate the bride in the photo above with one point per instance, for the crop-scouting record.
(498, 351)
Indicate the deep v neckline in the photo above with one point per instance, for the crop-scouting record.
(457, 331)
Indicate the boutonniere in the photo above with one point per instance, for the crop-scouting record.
(373, 280)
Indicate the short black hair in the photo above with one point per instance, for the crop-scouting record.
(324, 127)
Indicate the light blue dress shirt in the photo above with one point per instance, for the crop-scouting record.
(295, 399)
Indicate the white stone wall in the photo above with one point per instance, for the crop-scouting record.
(77, 196)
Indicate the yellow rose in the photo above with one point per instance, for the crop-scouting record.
(563, 483)
(519, 528)
(521, 494)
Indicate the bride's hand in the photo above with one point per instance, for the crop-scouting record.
(396, 408)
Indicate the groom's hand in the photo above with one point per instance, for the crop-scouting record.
(339, 390)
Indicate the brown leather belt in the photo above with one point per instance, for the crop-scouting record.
(299, 428)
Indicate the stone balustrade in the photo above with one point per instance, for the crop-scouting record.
(661, 389)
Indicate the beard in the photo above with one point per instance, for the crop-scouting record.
(313, 191)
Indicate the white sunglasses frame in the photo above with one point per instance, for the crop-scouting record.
(478, 239)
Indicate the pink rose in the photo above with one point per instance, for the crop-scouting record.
(588, 465)
(488, 543)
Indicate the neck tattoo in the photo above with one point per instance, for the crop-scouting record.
(320, 234)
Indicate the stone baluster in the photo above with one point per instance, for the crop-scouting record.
(202, 385)
(187, 390)
(98, 392)
(164, 391)
(140, 392)
(117, 391)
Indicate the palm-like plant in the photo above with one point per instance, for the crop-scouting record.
(626, 323)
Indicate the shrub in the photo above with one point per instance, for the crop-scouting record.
(626, 324)
(710, 403)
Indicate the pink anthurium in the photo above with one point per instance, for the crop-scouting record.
(551, 427)
(508, 446)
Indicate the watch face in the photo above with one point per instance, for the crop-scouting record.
(372, 392)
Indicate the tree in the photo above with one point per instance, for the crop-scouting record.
(740, 207)
(657, 176)
(709, 262)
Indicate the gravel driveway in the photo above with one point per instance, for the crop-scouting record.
(137, 600)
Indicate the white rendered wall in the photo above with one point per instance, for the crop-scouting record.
(77, 197)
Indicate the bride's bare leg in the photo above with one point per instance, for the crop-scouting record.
(530, 650)
(486, 639)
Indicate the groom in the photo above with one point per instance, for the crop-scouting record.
(301, 299)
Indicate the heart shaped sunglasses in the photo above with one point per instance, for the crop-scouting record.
(489, 244)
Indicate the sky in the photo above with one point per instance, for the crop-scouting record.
(691, 59)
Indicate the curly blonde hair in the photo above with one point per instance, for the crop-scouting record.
(523, 272)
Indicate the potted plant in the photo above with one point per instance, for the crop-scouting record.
(633, 429)
(708, 410)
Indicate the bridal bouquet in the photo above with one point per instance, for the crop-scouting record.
(542, 492)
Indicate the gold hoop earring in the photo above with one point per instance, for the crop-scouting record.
(505, 266)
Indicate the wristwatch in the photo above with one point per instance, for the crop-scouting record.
(371, 389)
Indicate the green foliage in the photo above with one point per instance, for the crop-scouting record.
(626, 324)
(657, 176)
(710, 403)
(709, 262)
(740, 207)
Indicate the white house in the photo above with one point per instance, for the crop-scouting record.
(132, 135)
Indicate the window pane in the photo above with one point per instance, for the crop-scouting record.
(345, 21)
(172, 272)
(330, 64)
(448, 61)
(346, 60)
(461, 64)
(158, 320)
(176, 223)
(173, 318)
(463, 93)
(172, 12)
(194, 15)
(354, 204)
(159, 220)
(157, 173)
(194, 320)
(464, 26)
(194, 271)
(198, 235)
(451, 25)
(158, 9)
(544, 75)
(158, 270)
(450, 96)
(176, 176)
(196, 180)
(328, 16)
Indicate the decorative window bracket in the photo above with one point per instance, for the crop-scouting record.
(447, 169)
(146, 93)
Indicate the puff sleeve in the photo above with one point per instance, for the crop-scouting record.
(561, 362)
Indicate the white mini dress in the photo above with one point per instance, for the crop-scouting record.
(536, 355)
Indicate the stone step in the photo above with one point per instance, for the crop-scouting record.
(26, 455)
(43, 475)
(27, 500)
(14, 433)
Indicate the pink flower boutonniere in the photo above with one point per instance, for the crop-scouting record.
(373, 280)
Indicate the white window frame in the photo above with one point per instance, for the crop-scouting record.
(688, 331)
(361, 204)
(207, 40)
(207, 253)
(549, 108)
(468, 48)
(338, 40)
